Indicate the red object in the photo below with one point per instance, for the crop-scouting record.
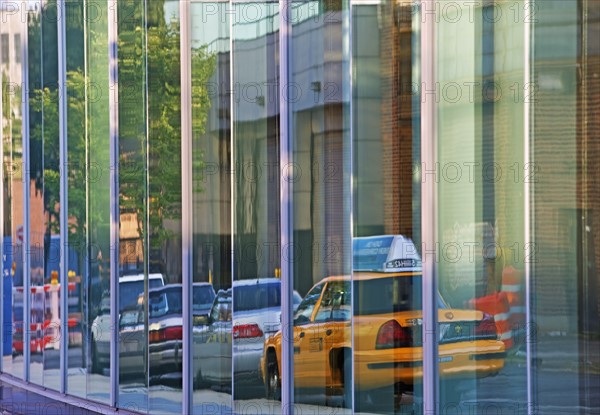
(246, 331)
(392, 335)
(166, 334)
(497, 305)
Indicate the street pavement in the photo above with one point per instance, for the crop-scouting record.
(18, 401)
(559, 388)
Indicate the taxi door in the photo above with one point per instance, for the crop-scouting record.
(333, 319)
(306, 346)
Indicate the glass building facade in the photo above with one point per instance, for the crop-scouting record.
(309, 207)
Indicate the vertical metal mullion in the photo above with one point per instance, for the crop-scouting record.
(349, 93)
(286, 207)
(86, 275)
(2, 276)
(429, 209)
(186, 199)
(528, 206)
(146, 241)
(64, 235)
(232, 178)
(26, 257)
(113, 74)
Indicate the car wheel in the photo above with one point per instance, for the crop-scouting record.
(199, 382)
(383, 400)
(363, 402)
(273, 383)
(452, 391)
(347, 374)
(95, 363)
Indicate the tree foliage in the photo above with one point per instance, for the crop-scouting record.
(149, 124)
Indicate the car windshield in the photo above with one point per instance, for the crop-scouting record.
(129, 318)
(204, 296)
(387, 295)
(296, 298)
(256, 296)
(130, 290)
(165, 302)
(221, 310)
(105, 305)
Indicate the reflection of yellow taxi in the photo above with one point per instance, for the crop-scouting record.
(387, 337)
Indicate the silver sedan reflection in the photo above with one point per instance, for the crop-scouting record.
(240, 320)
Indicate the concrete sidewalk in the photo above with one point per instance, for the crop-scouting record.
(18, 401)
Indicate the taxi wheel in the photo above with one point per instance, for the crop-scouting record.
(347, 381)
(451, 392)
(273, 383)
(383, 400)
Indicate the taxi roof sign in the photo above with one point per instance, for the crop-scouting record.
(385, 253)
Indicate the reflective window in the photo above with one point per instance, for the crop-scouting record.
(387, 281)
(212, 220)
(318, 99)
(256, 203)
(562, 177)
(89, 197)
(515, 135)
(134, 264)
(13, 310)
(44, 197)
(165, 326)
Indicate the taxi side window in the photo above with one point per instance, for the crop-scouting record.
(306, 307)
(335, 305)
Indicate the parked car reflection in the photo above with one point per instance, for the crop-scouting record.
(165, 333)
(132, 345)
(203, 296)
(239, 322)
(212, 344)
(100, 354)
(130, 287)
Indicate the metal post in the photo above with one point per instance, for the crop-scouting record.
(85, 271)
(286, 207)
(186, 202)
(232, 177)
(347, 52)
(429, 210)
(113, 75)
(2, 161)
(528, 204)
(64, 189)
(26, 188)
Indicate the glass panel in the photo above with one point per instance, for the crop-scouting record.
(39, 136)
(318, 93)
(44, 197)
(211, 267)
(135, 274)
(165, 352)
(481, 214)
(89, 157)
(12, 150)
(387, 208)
(564, 193)
(84, 293)
(256, 196)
